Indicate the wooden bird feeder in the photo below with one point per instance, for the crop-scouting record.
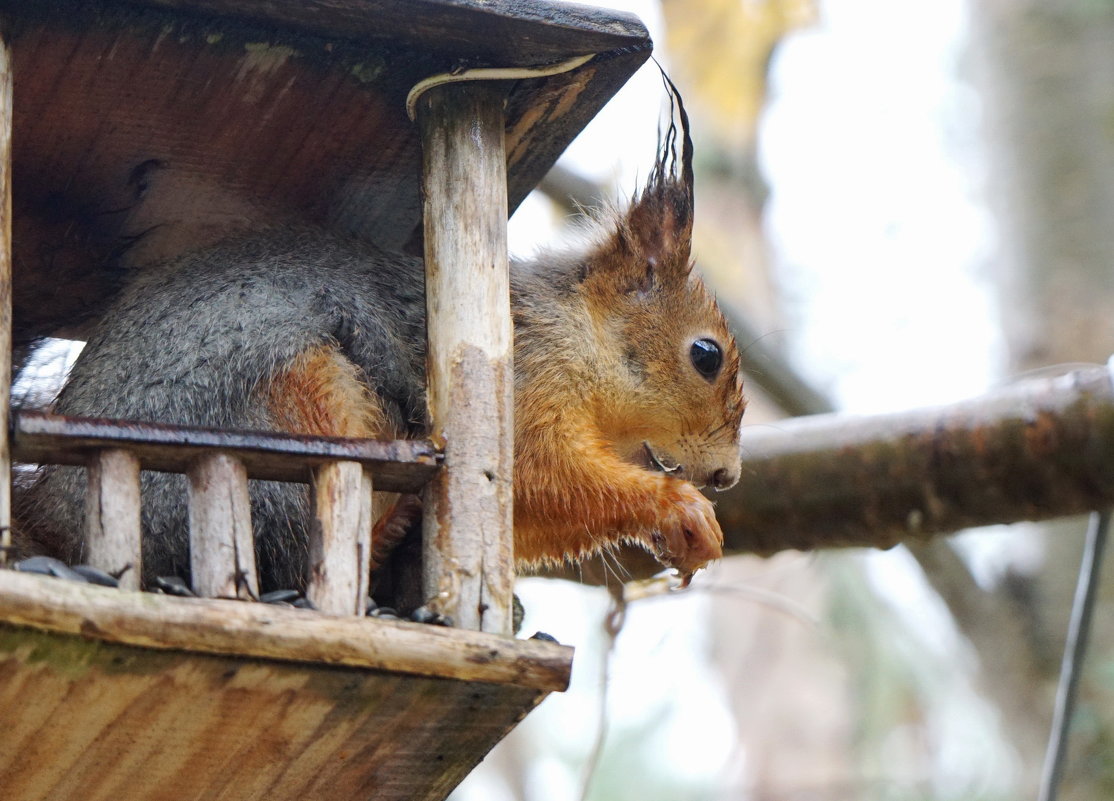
(134, 130)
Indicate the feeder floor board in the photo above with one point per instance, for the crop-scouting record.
(87, 716)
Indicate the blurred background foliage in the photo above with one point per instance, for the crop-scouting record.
(909, 202)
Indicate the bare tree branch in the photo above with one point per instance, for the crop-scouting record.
(1041, 449)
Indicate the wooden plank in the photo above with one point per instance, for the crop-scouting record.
(273, 632)
(396, 466)
(113, 535)
(85, 720)
(340, 540)
(5, 293)
(222, 545)
(503, 32)
(468, 554)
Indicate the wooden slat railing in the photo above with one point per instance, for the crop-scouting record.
(112, 526)
(340, 545)
(222, 548)
(396, 466)
(341, 473)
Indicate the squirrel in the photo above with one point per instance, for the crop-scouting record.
(628, 394)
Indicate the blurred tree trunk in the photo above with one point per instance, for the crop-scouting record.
(1045, 70)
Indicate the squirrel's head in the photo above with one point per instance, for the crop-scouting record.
(671, 394)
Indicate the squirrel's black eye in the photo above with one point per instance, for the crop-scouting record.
(707, 357)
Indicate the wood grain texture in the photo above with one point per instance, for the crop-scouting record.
(5, 292)
(396, 466)
(85, 720)
(468, 553)
(113, 534)
(272, 632)
(141, 131)
(340, 539)
(502, 32)
(222, 544)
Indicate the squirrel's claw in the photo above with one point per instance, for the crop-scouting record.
(688, 536)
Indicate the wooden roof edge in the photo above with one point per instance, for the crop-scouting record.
(266, 631)
(501, 32)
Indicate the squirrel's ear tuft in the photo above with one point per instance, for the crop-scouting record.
(649, 244)
(657, 228)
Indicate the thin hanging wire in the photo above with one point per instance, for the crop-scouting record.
(1075, 649)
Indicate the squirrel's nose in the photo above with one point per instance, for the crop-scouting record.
(724, 478)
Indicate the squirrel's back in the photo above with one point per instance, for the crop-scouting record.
(193, 340)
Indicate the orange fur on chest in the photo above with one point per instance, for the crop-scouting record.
(573, 496)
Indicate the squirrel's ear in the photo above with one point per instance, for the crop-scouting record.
(657, 228)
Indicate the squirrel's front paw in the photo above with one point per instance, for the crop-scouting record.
(688, 535)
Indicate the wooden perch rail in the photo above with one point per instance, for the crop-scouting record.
(264, 631)
(1040, 449)
(397, 466)
(218, 463)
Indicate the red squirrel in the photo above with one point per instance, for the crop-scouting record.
(628, 395)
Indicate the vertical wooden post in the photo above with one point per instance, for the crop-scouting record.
(113, 539)
(5, 294)
(468, 551)
(340, 541)
(222, 548)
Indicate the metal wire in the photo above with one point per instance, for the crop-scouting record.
(1075, 649)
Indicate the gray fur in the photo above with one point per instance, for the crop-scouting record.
(190, 341)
